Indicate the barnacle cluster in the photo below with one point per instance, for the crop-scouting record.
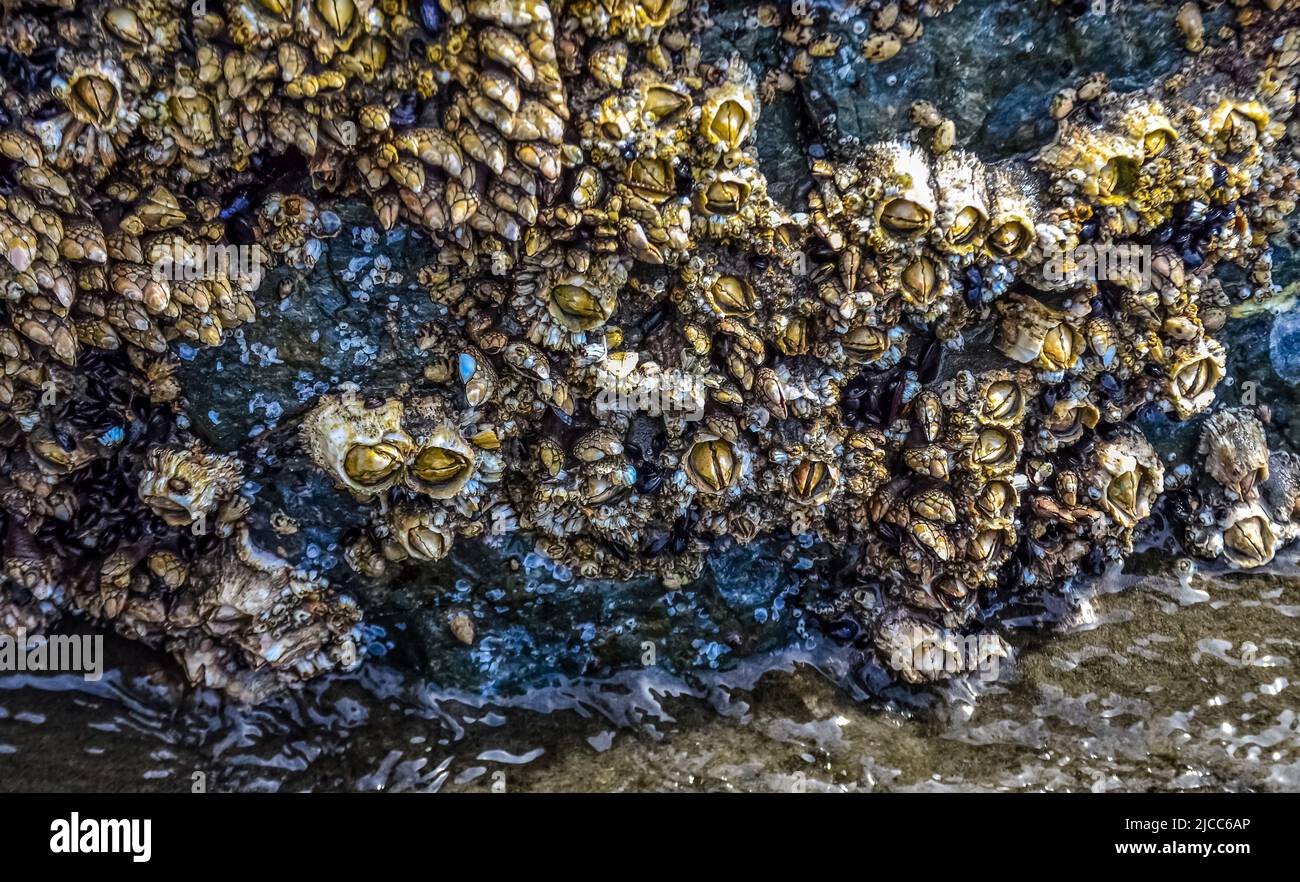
(639, 353)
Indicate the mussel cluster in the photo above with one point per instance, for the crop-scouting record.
(638, 352)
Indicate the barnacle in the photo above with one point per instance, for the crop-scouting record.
(185, 485)
(634, 348)
(362, 447)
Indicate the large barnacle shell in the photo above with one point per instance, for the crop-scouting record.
(730, 110)
(1249, 536)
(963, 216)
(1013, 212)
(1194, 373)
(1000, 399)
(921, 280)
(442, 465)
(579, 305)
(1235, 451)
(995, 451)
(183, 485)
(1126, 477)
(93, 95)
(906, 207)
(813, 481)
(364, 449)
(713, 464)
(994, 504)
(1102, 163)
(1032, 333)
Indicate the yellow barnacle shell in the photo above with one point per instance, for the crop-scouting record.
(363, 448)
(1194, 374)
(732, 296)
(995, 451)
(651, 177)
(94, 98)
(371, 464)
(813, 482)
(443, 464)
(580, 306)
(338, 14)
(662, 101)
(712, 464)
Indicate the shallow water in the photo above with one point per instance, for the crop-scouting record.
(1158, 684)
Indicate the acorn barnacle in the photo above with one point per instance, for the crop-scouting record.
(959, 178)
(1033, 333)
(1013, 211)
(730, 110)
(578, 305)
(1235, 451)
(442, 464)
(906, 208)
(713, 464)
(1000, 399)
(1236, 127)
(994, 451)
(1193, 374)
(421, 531)
(731, 296)
(362, 447)
(921, 280)
(1249, 536)
(184, 485)
(1126, 477)
(725, 192)
(813, 481)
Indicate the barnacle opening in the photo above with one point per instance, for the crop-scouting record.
(1003, 400)
(997, 499)
(1250, 541)
(662, 102)
(94, 99)
(732, 296)
(125, 25)
(920, 281)
(995, 449)
(372, 464)
(726, 196)
(812, 481)
(965, 226)
(1061, 346)
(711, 465)
(1011, 238)
(651, 177)
(579, 308)
(730, 123)
(338, 14)
(905, 218)
(1197, 378)
(442, 471)
(866, 343)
